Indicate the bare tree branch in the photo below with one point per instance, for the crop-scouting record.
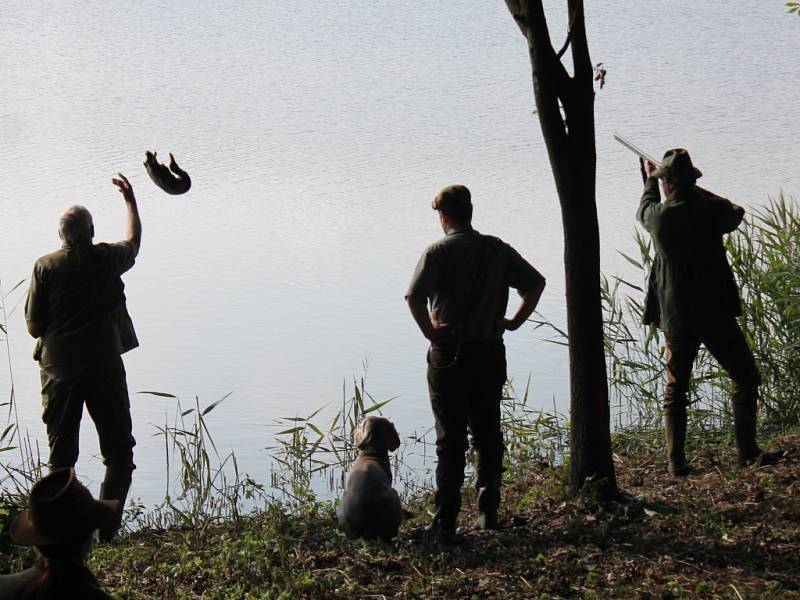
(582, 62)
(561, 52)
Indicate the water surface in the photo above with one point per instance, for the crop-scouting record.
(316, 135)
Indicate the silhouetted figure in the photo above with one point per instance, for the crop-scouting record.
(163, 177)
(59, 523)
(370, 506)
(76, 309)
(467, 276)
(693, 298)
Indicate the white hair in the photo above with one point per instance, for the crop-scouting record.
(75, 225)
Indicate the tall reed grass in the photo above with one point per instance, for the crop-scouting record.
(202, 486)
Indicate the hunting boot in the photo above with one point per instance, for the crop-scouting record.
(488, 503)
(114, 487)
(744, 426)
(443, 526)
(675, 436)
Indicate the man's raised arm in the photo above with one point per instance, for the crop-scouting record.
(134, 223)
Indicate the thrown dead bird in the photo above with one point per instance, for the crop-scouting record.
(370, 506)
(163, 177)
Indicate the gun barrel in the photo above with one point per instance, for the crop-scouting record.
(636, 150)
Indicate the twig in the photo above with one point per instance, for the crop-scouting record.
(738, 595)
(688, 564)
(721, 474)
(561, 52)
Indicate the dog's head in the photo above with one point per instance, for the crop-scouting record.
(376, 434)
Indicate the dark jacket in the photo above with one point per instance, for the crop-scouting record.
(691, 283)
(77, 295)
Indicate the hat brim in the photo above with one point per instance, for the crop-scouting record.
(23, 531)
(663, 173)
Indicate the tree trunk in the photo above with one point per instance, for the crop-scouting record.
(570, 145)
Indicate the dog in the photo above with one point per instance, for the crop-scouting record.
(370, 506)
(163, 177)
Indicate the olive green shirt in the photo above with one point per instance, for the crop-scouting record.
(466, 277)
(691, 283)
(77, 296)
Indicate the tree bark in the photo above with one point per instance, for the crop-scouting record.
(570, 141)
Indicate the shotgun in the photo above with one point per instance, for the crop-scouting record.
(636, 150)
(645, 156)
(639, 152)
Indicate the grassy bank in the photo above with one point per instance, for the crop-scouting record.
(723, 532)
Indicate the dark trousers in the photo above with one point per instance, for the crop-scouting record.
(104, 391)
(726, 342)
(466, 387)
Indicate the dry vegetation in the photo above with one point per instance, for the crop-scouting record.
(723, 532)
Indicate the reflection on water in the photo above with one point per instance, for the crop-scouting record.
(316, 136)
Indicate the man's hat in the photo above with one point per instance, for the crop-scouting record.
(61, 510)
(453, 198)
(677, 166)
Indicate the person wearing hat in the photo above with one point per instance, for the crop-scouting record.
(59, 522)
(466, 277)
(693, 298)
(76, 310)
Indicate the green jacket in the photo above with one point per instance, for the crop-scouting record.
(76, 293)
(691, 283)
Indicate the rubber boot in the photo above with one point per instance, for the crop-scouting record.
(114, 487)
(443, 526)
(744, 427)
(488, 503)
(675, 437)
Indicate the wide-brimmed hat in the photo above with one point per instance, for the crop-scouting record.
(453, 198)
(677, 166)
(61, 510)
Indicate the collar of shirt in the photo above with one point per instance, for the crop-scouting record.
(76, 245)
(460, 229)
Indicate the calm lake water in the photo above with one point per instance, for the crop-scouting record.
(316, 135)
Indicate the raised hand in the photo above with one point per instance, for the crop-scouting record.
(124, 187)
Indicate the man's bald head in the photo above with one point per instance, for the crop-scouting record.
(76, 225)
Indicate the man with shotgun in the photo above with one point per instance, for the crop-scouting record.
(693, 298)
(466, 277)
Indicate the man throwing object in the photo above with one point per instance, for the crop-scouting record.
(76, 310)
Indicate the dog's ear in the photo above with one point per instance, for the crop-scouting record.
(362, 435)
(393, 440)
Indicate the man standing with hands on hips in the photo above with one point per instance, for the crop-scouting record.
(76, 310)
(466, 277)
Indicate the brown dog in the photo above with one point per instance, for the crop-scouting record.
(163, 177)
(370, 507)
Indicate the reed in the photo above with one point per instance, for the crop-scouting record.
(307, 449)
(765, 257)
(202, 486)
